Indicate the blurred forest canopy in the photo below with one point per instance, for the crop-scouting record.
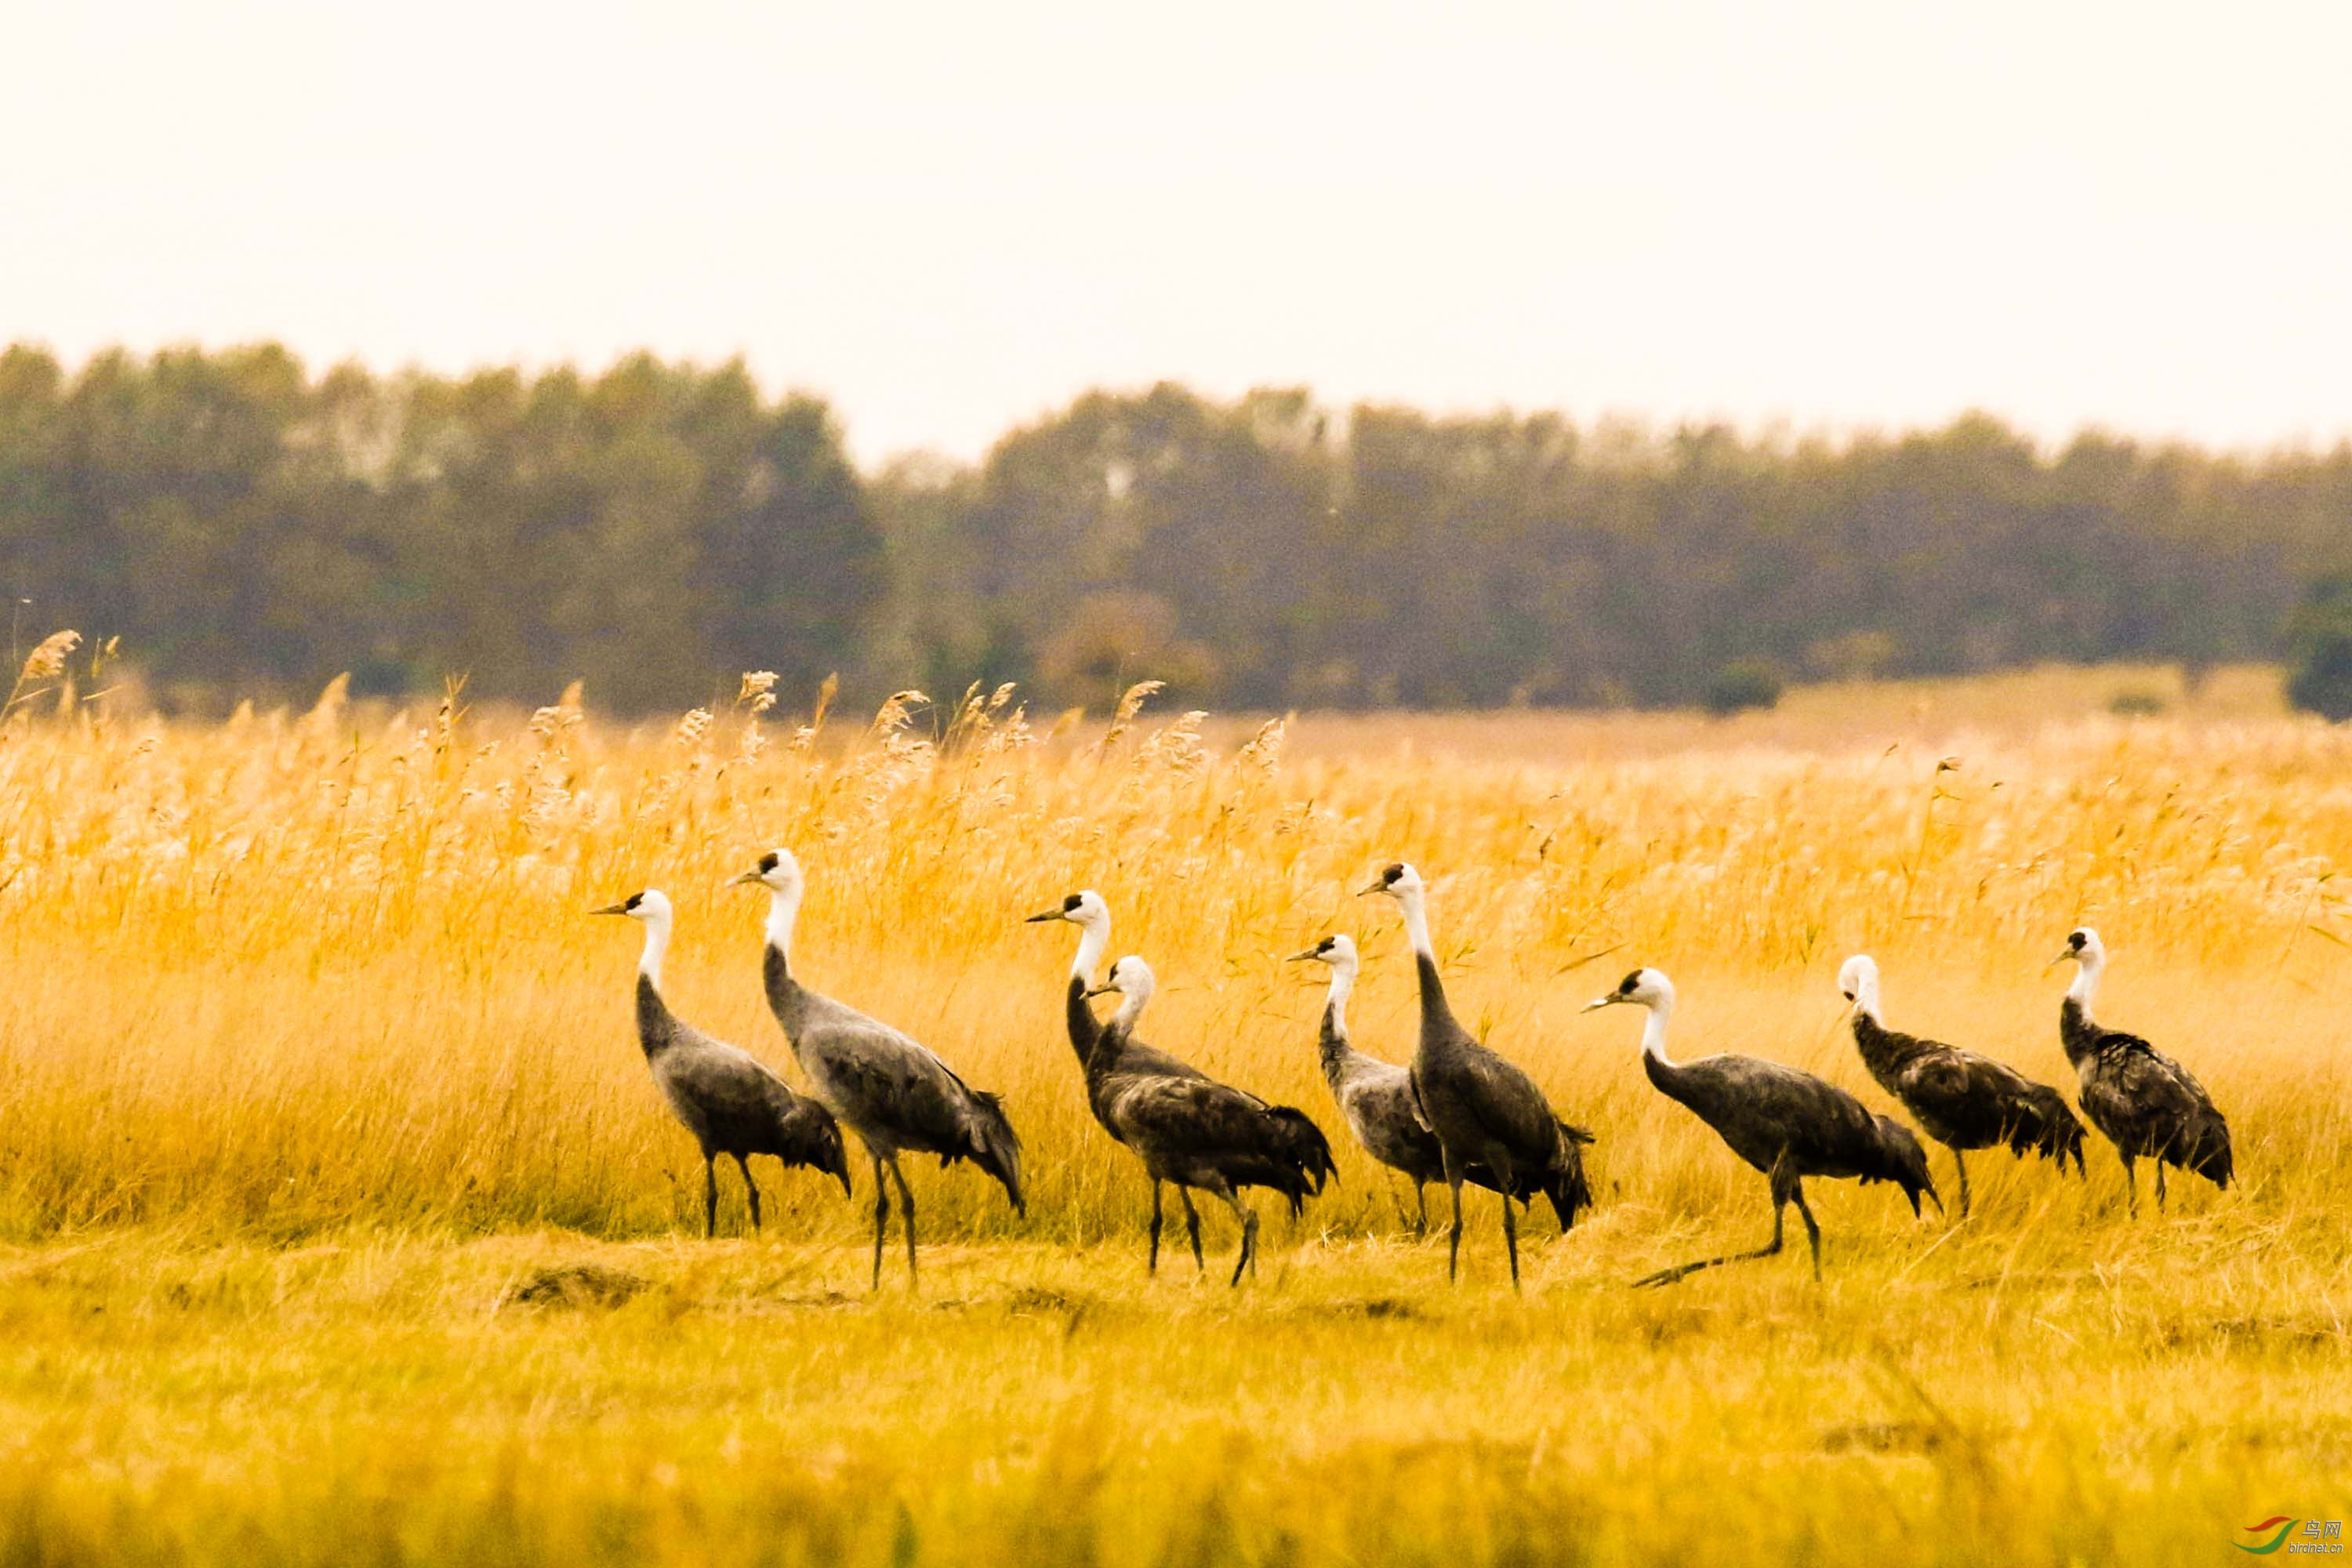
(245, 525)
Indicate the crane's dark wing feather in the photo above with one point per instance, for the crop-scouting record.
(1771, 1113)
(733, 1103)
(882, 1079)
(2147, 1103)
(1189, 1128)
(1967, 1101)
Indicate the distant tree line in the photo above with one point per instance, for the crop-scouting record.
(243, 525)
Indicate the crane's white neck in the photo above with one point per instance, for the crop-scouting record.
(1094, 937)
(1130, 1006)
(783, 909)
(650, 962)
(1866, 996)
(1416, 922)
(1653, 1030)
(1343, 981)
(2088, 963)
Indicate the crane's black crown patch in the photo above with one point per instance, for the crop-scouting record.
(768, 862)
(1070, 905)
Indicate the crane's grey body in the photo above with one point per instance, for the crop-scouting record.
(1375, 1099)
(1785, 1122)
(2145, 1102)
(896, 1095)
(1193, 1132)
(1484, 1111)
(1489, 1116)
(1961, 1099)
(729, 1100)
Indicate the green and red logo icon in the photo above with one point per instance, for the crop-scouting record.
(2276, 1527)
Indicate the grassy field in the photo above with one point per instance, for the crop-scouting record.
(338, 1220)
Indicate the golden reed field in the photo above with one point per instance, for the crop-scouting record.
(342, 1222)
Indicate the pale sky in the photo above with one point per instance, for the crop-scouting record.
(948, 218)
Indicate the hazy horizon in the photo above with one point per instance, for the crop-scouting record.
(1828, 218)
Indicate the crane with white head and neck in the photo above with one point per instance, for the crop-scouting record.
(2146, 1104)
(1484, 1111)
(1786, 1123)
(726, 1097)
(896, 1094)
(1963, 1100)
(1188, 1129)
(1193, 1132)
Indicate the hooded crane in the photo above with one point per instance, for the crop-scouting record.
(894, 1094)
(1375, 1098)
(1087, 912)
(1483, 1111)
(2145, 1102)
(1788, 1124)
(1194, 1131)
(1963, 1100)
(727, 1098)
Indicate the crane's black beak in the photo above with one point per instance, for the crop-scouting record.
(1295, 957)
(2062, 958)
(1052, 914)
(746, 877)
(611, 909)
(1094, 990)
(1378, 886)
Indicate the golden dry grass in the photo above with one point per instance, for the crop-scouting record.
(311, 1061)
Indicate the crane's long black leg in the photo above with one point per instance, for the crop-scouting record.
(907, 1209)
(1812, 1231)
(2131, 1185)
(2159, 1184)
(751, 1187)
(1420, 1191)
(1248, 1257)
(1453, 1236)
(1192, 1226)
(1510, 1231)
(1151, 1265)
(1961, 1162)
(1684, 1271)
(881, 1217)
(709, 1195)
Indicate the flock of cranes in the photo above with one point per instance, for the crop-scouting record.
(1460, 1112)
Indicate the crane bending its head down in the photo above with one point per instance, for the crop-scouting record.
(1858, 983)
(1132, 979)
